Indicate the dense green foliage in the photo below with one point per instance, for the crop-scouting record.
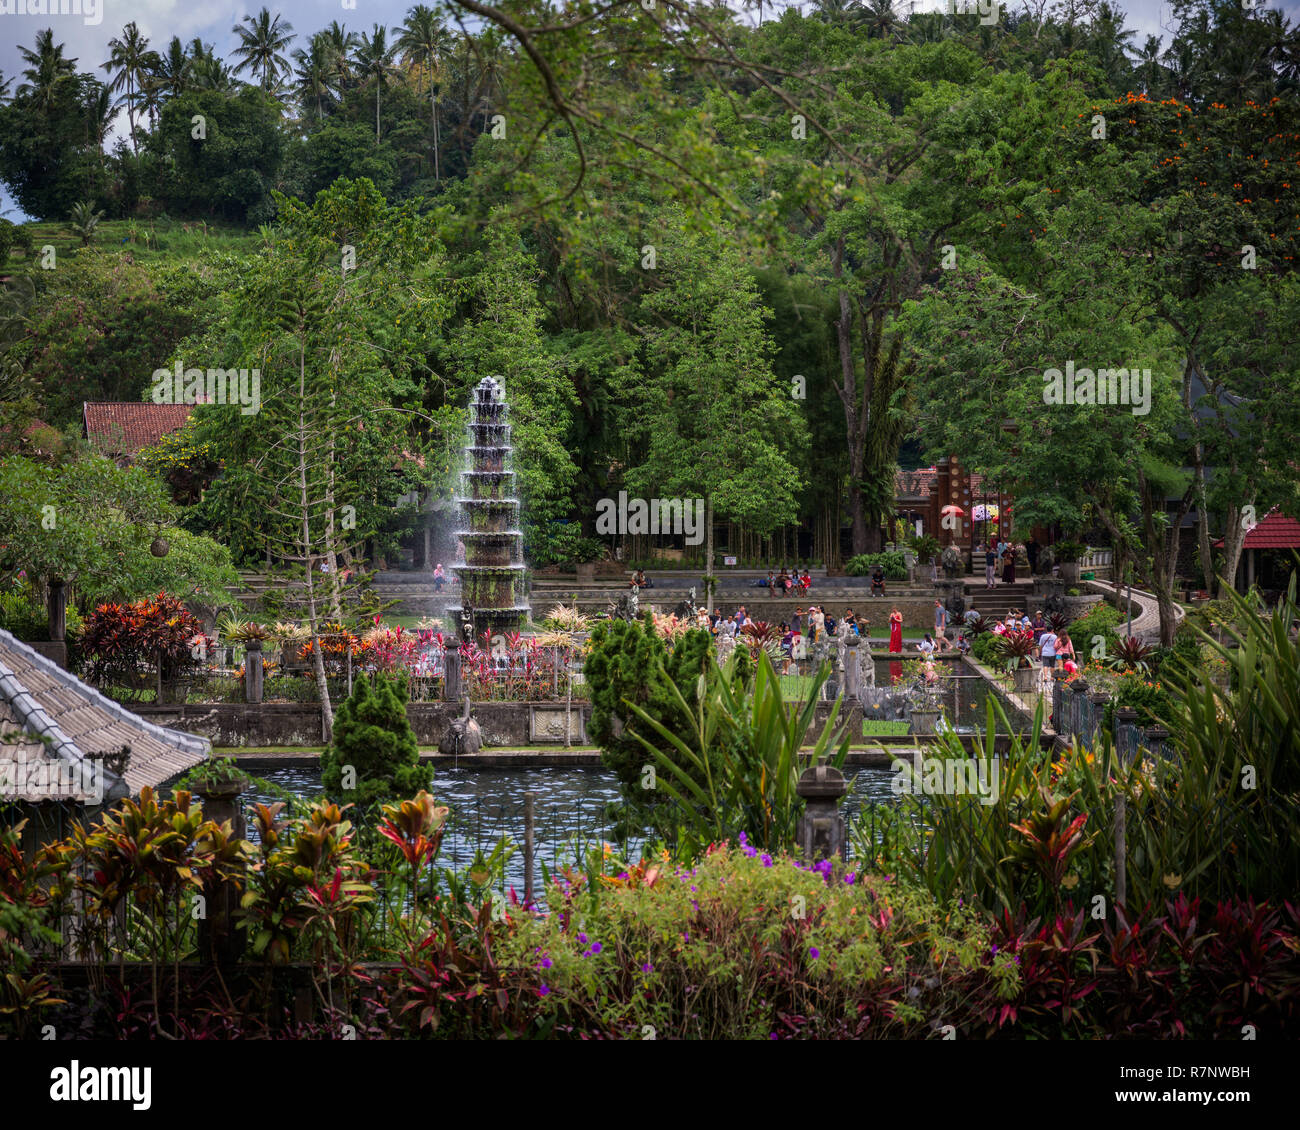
(373, 755)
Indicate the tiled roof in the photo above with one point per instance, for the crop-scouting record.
(50, 721)
(1273, 531)
(124, 427)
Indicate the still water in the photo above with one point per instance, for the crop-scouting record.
(569, 807)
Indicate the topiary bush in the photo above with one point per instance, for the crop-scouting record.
(374, 755)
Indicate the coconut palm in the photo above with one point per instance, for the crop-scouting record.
(342, 44)
(173, 74)
(262, 41)
(45, 66)
(1150, 74)
(315, 74)
(425, 42)
(83, 221)
(128, 63)
(374, 61)
(880, 19)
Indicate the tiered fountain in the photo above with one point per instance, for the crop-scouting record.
(492, 577)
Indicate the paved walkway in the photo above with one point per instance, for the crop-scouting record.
(1146, 625)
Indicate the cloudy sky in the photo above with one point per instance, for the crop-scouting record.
(86, 37)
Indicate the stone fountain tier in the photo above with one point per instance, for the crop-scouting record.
(489, 434)
(492, 578)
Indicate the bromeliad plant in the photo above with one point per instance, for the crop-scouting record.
(732, 764)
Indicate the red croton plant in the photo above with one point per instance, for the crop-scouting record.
(120, 640)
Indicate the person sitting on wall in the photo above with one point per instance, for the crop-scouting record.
(439, 578)
(641, 581)
(877, 581)
(783, 583)
(805, 581)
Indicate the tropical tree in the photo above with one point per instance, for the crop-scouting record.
(45, 66)
(374, 60)
(129, 64)
(262, 41)
(424, 42)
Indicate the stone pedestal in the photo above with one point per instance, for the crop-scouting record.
(452, 685)
(852, 669)
(820, 832)
(220, 939)
(253, 671)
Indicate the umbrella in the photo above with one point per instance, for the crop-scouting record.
(952, 508)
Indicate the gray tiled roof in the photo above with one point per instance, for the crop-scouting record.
(50, 721)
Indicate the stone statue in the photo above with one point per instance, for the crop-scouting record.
(953, 566)
(466, 626)
(463, 735)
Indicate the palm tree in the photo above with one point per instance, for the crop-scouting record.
(1149, 73)
(100, 113)
(424, 42)
(45, 66)
(262, 40)
(880, 19)
(173, 74)
(315, 73)
(83, 221)
(4, 88)
(129, 57)
(341, 43)
(210, 73)
(374, 61)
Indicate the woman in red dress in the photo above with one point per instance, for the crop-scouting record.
(895, 630)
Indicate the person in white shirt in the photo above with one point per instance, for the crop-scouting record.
(926, 646)
(1047, 649)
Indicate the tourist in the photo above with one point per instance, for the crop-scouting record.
(940, 618)
(783, 582)
(1047, 649)
(895, 630)
(1039, 625)
(817, 619)
(771, 581)
(639, 580)
(805, 582)
(926, 646)
(831, 625)
(796, 624)
(990, 564)
(741, 618)
(439, 578)
(850, 619)
(877, 581)
(972, 616)
(963, 644)
(1065, 647)
(1009, 565)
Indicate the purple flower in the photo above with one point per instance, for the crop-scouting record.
(546, 963)
(543, 991)
(851, 877)
(744, 840)
(814, 952)
(772, 1036)
(582, 938)
(623, 875)
(767, 860)
(994, 949)
(751, 852)
(595, 947)
(647, 968)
